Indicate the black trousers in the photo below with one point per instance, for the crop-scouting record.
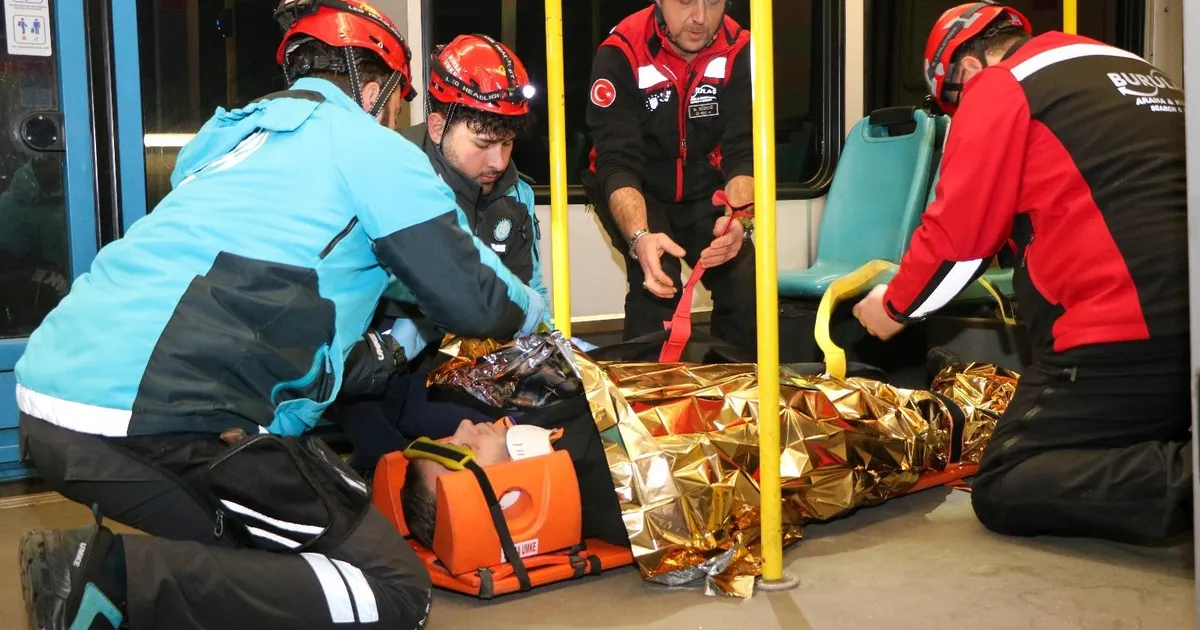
(1092, 450)
(182, 577)
(734, 315)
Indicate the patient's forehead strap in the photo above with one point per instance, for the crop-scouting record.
(457, 458)
(453, 457)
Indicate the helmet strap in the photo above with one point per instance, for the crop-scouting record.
(386, 93)
(352, 70)
(450, 111)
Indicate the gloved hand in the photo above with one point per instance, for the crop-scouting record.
(414, 335)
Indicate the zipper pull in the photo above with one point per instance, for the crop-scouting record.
(219, 530)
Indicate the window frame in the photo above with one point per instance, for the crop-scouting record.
(829, 37)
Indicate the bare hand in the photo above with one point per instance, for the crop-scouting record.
(650, 249)
(723, 248)
(873, 315)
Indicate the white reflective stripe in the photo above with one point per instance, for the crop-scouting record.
(364, 597)
(955, 281)
(716, 68)
(649, 76)
(336, 595)
(73, 415)
(291, 527)
(1066, 53)
(262, 533)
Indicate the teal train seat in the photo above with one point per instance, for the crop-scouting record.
(878, 193)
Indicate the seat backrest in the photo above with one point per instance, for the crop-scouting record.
(943, 130)
(880, 187)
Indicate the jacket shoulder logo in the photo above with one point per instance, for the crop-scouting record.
(603, 93)
(502, 231)
(1148, 89)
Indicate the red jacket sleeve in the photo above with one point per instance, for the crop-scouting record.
(975, 199)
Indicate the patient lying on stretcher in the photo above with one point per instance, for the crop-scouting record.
(667, 455)
(567, 427)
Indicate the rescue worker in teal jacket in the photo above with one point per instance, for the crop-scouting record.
(224, 317)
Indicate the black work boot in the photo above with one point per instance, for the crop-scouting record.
(938, 359)
(73, 579)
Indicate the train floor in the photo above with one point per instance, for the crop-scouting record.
(920, 562)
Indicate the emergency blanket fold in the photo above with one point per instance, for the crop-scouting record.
(685, 466)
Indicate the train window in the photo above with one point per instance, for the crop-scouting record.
(803, 59)
(195, 57)
(897, 29)
(34, 253)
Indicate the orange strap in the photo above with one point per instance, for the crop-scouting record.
(681, 322)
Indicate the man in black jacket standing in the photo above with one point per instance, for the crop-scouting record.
(670, 113)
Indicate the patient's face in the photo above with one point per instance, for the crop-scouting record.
(487, 441)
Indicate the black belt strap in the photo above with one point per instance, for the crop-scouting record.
(506, 541)
(958, 420)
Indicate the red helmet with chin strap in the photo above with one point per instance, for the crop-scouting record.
(351, 25)
(479, 72)
(953, 29)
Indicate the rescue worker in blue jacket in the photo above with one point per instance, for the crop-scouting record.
(170, 389)
(478, 104)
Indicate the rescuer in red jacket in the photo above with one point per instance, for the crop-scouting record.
(670, 115)
(1073, 152)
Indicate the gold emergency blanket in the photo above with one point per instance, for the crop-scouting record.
(684, 452)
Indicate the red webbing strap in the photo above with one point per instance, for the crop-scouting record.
(681, 322)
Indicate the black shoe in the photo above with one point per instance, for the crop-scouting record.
(61, 576)
(939, 359)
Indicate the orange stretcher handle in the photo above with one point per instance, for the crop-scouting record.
(681, 322)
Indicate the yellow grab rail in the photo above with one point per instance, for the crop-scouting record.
(856, 283)
(560, 259)
(762, 46)
(1070, 13)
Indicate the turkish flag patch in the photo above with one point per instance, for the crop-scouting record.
(603, 93)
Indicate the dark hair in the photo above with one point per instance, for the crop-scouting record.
(419, 506)
(997, 38)
(306, 58)
(487, 123)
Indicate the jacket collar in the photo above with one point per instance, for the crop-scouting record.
(332, 93)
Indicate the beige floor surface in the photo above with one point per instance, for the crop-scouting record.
(918, 563)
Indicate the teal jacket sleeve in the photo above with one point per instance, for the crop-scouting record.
(424, 240)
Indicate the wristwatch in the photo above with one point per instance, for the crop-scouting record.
(633, 242)
(747, 227)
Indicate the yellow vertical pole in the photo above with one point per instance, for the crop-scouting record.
(559, 234)
(1070, 11)
(763, 71)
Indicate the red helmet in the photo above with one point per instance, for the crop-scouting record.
(344, 24)
(950, 32)
(479, 72)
